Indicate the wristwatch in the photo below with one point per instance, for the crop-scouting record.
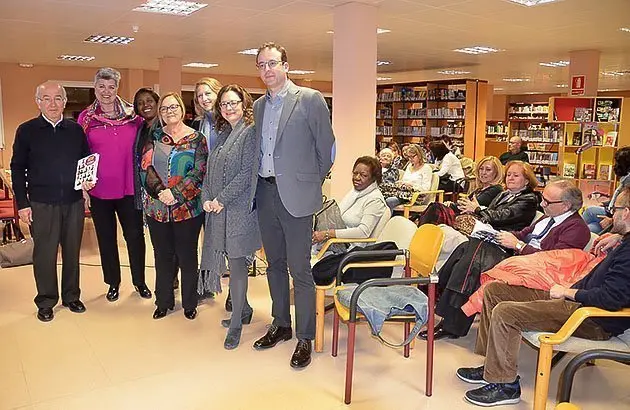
(520, 245)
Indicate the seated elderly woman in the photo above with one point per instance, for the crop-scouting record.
(363, 207)
(389, 171)
(417, 177)
(486, 186)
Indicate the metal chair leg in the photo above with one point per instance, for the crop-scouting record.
(406, 347)
(352, 327)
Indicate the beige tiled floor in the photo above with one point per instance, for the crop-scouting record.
(116, 357)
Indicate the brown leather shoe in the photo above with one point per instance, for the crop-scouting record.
(302, 354)
(275, 334)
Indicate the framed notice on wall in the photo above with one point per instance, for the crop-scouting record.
(578, 85)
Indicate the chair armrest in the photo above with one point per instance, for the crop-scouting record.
(354, 299)
(416, 194)
(358, 256)
(330, 241)
(576, 319)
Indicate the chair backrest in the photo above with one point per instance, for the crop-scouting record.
(537, 217)
(381, 223)
(425, 248)
(435, 183)
(398, 229)
(588, 246)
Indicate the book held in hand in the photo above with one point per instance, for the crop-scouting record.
(86, 170)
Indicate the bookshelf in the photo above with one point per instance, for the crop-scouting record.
(421, 111)
(590, 131)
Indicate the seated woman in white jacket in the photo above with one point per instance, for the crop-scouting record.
(417, 175)
(363, 207)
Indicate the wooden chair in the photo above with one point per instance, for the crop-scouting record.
(397, 229)
(419, 261)
(432, 195)
(564, 343)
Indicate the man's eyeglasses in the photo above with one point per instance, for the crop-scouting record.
(618, 208)
(271, 64)
(548, 202)
(48, 100)
(232, 104)
(170, 108)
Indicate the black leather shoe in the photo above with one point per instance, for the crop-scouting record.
(228, 303)
(190, 314)
(160, 313)
(438, 333)
(275, 334)
(143, 291)
(302, 354)
(232, 339)
(45, 314)
(246, 319)
(112, 294)
(75, 306)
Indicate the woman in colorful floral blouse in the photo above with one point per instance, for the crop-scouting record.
(173, 166)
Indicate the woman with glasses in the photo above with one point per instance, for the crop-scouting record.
(228, 197)
(111, 126)
(173, 166)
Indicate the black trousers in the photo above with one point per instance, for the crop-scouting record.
(104, 212)
(55, 225)
(175, 245)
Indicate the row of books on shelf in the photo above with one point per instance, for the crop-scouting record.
(444, 112)
(421, 131)
(589, 171)
(384, 114)
(411, 112)
(496, 129)
(540, 146)
(593, 134)
(406, 94)
(446, 94)
(551, 135)
(603, 113)
(543, 158)
(529, 109)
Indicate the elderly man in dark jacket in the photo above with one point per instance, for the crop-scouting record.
(560, 228)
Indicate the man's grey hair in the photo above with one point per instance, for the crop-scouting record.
(107, 73)
(42, 85)
(570, 192)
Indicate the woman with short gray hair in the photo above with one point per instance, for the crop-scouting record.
(111, 126)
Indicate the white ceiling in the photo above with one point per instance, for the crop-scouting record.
(424, 33)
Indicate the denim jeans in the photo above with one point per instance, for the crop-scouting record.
(591, 217)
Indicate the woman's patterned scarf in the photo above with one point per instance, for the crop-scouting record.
(124, 114)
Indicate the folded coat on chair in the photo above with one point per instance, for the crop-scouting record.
(540, 270)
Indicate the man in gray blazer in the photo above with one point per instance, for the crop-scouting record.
(297, 151)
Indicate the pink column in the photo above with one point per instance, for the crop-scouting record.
(170, 75)
(135, 79)
(354, 89)
(585, 63)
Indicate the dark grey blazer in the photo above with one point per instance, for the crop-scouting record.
(304, 151)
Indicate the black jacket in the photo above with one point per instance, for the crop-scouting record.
(508, 156)
(44, 161)
(514, 214)
(607, 286)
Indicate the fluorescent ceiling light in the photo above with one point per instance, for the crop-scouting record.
(516, 80)
(626, 29)
(616, 73)
(67, 57)
(531, 3)
(555, 64)
(562, 85)
(249, 52)
(201, 65)
(378, 31)
(498, 88)
(477, 50)
(26, 65)
(383, 78)
(100, 39)
(453, 72)
(301, 72)
(384, 62)
(173, 7)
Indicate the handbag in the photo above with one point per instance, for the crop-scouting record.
(329, 217)
(17, 253)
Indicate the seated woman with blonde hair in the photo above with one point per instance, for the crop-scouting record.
(417, 176)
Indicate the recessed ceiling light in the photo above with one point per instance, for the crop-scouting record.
(301, 72)
(378, 31)
(531, 3)
(173, 7)
(626, 29)
(516, 80)
(453, 72)
(477, 50)
(249, 52)
(384, 62)
(562, 85)
(383, 78)
(201, 65)
(67, 57)
(555, 64)
(26, 65)
(117, 40)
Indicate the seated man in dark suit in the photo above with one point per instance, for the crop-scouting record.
(561, 228)
(515, 151)
(509, 310)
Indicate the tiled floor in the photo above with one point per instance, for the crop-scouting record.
(115, 356)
